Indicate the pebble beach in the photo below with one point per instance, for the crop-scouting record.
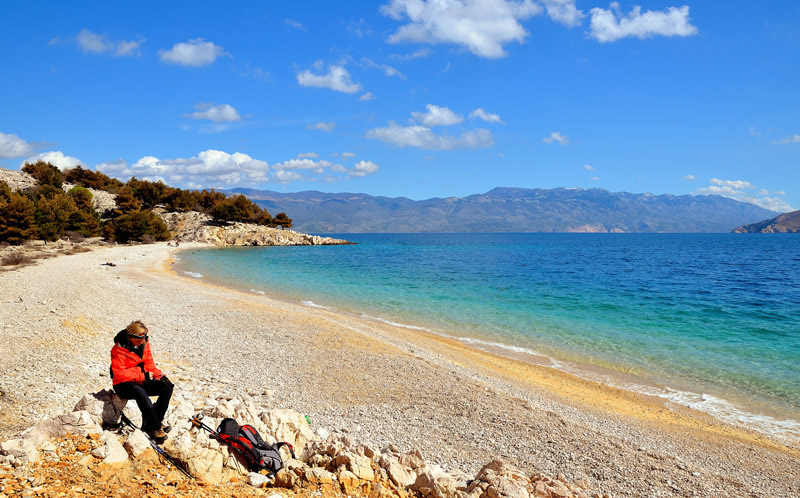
(377, 383)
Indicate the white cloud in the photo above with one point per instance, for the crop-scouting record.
(610, 25)
(196, 52)
(754, 132)
(323, 126)
(588, 167)
(744, 191)
(564, 11)
(337, 78)
(387, 69)
(556, 137)
(306, 155)
(689, 177)
(222, 113)
(734, 184)
(347, 155)
(210, 168)
(93, 43)
(595, 179)
(284, 176)
(13, 146)
(367, 96)
(423, 52)
(483, 26)
(423, 137)
(56, 158)
(437, 116)
(302, 163)
(295, 24)
(488, 117)
(364, 168)
(794, 139)
(295, 169)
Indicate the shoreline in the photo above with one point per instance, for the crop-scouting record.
(784, 431)
(371, 381)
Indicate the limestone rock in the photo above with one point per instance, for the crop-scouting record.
(257, 480)
(359, 465)
(77, 422)
(315, 475)
(288, 425)
(137, 443)
(206, 465)
(400, 474)
(198, 227)
(104, 406)
(111, 451)
(434, 482)
(23, 450)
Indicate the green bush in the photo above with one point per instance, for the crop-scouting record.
(137, 224)
(17, 219)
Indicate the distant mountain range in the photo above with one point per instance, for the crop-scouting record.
(785, 223)
(510, 210)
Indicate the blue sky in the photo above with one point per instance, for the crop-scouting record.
(409, 97)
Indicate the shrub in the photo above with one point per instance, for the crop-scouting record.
(17, 258)
(17, 219)
(135, 225)
(92, 179)
(44, 173)
(74, 236)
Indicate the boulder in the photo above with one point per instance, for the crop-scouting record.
(359, 465)
(257, 480)
(498, 479)
(401, 475)
(206, 465)
(315, 475)
(350, 482)
(104, 406)
(137, 443)
(434, 482)
(287, 425)
(23, 450)
(77, 423)
(111, 451)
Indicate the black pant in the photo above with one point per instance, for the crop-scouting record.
(152, 415)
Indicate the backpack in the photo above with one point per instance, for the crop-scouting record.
(246, 441)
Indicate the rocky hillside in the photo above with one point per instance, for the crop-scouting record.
(785, 223)
(72, 455)
(19, 180)
(511, 210)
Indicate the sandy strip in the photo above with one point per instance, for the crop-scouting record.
(379, 383)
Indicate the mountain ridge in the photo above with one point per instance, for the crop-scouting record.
(783, 223)
(511, 209)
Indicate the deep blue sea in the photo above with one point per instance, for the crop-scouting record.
(710, 321)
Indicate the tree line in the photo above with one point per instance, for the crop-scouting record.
(47, 212)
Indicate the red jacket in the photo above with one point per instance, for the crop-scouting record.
(126, 366)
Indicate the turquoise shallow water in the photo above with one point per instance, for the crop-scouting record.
(710, 321)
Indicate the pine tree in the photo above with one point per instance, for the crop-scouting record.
(17, 219)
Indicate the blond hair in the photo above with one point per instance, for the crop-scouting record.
(136, 328)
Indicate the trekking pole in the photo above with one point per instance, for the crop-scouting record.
(159, 450)
(197, 421)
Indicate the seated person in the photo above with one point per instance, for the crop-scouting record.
(136, 377)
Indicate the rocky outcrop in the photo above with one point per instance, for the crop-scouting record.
(194, 226)
(785, 223)
(335, 466)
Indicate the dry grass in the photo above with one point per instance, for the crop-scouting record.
(17, 258)
(77, 250)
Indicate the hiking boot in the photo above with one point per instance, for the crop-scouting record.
(166, 428)
(158, 435)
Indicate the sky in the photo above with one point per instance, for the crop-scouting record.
(411, 98)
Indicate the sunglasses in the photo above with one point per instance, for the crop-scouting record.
(143, 336)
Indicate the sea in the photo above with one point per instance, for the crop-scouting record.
(708, 321)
